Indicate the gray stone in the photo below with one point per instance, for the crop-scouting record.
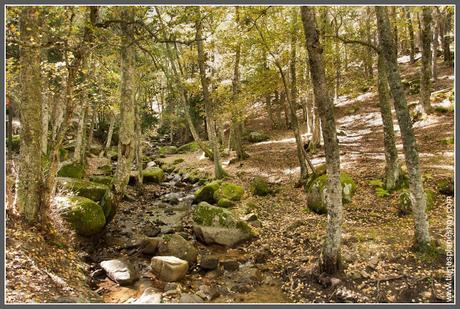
(169, 268)
(149, 296)
(176, 245)
(172, 198)
(120, 271)
(209, 262)
(190, 299)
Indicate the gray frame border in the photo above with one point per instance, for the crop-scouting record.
(217, 3)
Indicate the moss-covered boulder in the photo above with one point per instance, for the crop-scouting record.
(92, 190)
(225, 203)
(206, 192)
(15, 143)
(316, 189)
(259, 186)
(105, 170)
(71, 169)
(176, 245)
(108, 206)
(217, 225)
(229, 191)
(153, 174)
(105, 180)
(167, 150)
(256, 137)
(446, 186)
(190, 147)
(84, 215)
(405, 205)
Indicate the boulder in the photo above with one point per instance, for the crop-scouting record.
(209, 262)
(217, 225)
(92, 190)
(70, 169)
(166, 150)
(83, 214)
(256, 137)
(120, 271)
(259, 186)
(229, 191)
(190, 147)
(225, 203)
(316, 189)
(105, 180)
(149, 245)
(446, 186)
(153, 174)
(149, 296)
(206, 192)
(190, 299)
(404, 205)
(176, 245)
(169, 268)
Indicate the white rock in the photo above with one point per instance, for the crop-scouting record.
(119, 271)
(169, 268)
(149, 297)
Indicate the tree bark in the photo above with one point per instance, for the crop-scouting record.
(330, 258)
(126, 143)
(425, 71)
(418, 199)
(81, 131)
(410, 30)
(434, 66)
(391, 153)
(219, 172)
(29, 184)
(446, 36)
(370, 51)
(110, 132)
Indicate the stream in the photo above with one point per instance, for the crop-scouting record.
(164, 209)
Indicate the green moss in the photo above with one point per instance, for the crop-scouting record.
(225, 203)
(92, 190)
(153, 174)
(178, 161)
(405, 205)
(167, 167)
(229, 191)
(206, 193)
(256, 137)
(106, 180)
(15, 143)
(73, 170)
(83, 214)
(446, 186)
(208, 215)
(259, 186)
(166, 150)
(429, 253)
(190, 147)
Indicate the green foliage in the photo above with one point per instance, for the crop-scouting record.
(381, 192)
(376, 183)
(448, 141)
(256, 137)
(260, 187)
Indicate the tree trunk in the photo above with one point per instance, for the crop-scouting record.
(330, 258)
(45, 120)
(370, 52)
(425, 71)
(139, 162)
(126, 143)
(434, 66)
(219, 172)
(81, 131)
(418, 199)
(446, 36)
(110, 133)
(391, 153)
(29, 184)
(394, 22)
(410, 30)
(236, 110)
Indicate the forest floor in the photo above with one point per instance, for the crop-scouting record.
(279, 265)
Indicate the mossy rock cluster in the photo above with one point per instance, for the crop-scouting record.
(190, 147)
(153, 174)
(405, 205)
(316, 192)
(71, 169)
(92, 190)
(260, 187)
(224, 194)
(84, 215)
(105, 180)
(218, 225)
(256, 137)
(167, 150)
(446, 186)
